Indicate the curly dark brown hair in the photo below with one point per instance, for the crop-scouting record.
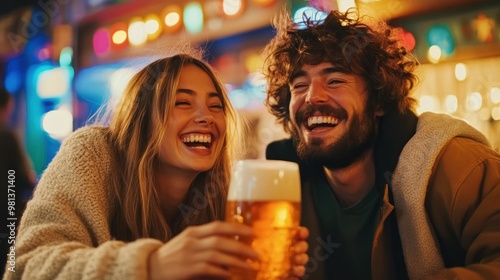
(374, 53)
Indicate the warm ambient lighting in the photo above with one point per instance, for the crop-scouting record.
(58, 123)
(119, 35)
(344, 5)
(434, 54)
(172, 18)
(137, 32)
(451, 103)
(152, 26)
(495, 95)
(427, 104)
(495, 113)
(232, 8)
(460, 72)
(474, 102)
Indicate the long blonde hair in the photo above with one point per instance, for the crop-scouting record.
(147, 102)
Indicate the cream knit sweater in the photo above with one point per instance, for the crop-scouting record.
(64, 233)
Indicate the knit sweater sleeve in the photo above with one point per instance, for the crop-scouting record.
(64, 232)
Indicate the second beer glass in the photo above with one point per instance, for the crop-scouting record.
(265, 194)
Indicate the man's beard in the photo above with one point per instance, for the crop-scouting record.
(350, 148)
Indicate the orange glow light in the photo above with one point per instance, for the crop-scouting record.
(119, 35)
(172, 18)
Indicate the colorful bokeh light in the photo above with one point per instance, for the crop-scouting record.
(193, 17)
(101, 42)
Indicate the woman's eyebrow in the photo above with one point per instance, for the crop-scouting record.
(185, 90)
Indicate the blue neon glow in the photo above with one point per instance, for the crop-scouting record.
(308, 13)
(441, 36)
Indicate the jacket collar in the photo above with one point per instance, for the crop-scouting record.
(395, 130)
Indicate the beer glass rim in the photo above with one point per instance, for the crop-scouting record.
(267, 163)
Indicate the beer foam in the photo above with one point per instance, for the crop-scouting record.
(261, 180)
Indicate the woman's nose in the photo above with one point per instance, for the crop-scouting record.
(204, 117)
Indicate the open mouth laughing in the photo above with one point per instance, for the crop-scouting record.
(200, 141)
(321, 121)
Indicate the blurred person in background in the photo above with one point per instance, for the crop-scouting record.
(144, 198)
(386, 194)
(14, 162)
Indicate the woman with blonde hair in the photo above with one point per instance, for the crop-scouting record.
(144, 197)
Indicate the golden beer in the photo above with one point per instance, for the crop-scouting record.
(266, 196)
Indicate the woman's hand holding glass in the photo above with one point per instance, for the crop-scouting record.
(207, 251)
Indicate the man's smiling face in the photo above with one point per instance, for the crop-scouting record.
(332, 124)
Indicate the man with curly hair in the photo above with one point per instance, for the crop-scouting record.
(386, 194)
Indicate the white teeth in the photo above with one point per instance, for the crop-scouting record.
(322, 119)
(202, 138)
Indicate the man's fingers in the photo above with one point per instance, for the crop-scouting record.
(302, 233)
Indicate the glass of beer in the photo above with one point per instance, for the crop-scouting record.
(265, 194)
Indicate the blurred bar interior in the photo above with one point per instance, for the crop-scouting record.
(62, 59)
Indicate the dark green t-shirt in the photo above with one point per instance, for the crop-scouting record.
(352, 228)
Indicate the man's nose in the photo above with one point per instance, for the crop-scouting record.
(316, 94)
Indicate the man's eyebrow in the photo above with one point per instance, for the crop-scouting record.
(297, 74)
(327, 70)
(337, 69)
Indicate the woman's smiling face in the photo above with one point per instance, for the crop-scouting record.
(196, 126)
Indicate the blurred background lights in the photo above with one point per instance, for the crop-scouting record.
(460, 72)
(119, 36)
(119, 80)
(14, 77)
(344, 5)
(239, 98)
(152, 26)
(193, 17)
(434, 54)
(232, 7)
(101, 41)
(264, 3)
(172, 18)
(427, 103)
(137, 32)
(495, 95)
(44, 54)
(66, 56)
(408, 41)
(440, 35)
(311, 13)
(484, 114)
(53, 83)
(214, 23)
(451, 103)
(495, 113)
(58, 123)
(474, 102)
